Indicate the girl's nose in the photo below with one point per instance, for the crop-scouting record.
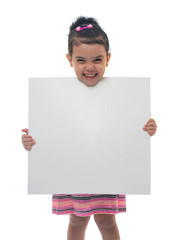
(90, 67)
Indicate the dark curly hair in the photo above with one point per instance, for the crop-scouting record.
(87, 36)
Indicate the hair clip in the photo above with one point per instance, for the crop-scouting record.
(81, 28)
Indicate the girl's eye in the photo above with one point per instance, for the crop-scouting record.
(98, 60)
(80, 60)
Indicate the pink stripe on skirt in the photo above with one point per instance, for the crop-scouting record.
(88, 204)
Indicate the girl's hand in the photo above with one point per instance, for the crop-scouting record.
(27, 140)
(150, 127)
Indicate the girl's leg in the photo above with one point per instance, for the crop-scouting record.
(107, 226)
(77, 227)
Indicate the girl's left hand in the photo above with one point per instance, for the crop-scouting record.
(150, 127)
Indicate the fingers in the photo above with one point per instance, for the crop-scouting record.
(150, 127)
(27, 140)
(151, 132)
(151, 123)
(25, 130)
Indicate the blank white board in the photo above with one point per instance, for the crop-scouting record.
(89, 140)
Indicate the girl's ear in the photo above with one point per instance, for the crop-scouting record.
(69, 59)
(108, 58)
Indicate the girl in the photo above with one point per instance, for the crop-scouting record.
(88, 54)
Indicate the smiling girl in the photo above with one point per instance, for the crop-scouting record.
(89, 62)
(88, 53)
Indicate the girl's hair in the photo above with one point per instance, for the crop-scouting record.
(86, 36)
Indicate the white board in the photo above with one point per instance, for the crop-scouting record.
(89, 140)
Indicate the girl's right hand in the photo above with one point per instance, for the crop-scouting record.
(27, 140)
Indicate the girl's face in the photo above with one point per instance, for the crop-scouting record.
(89, 62)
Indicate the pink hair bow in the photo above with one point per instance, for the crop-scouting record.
(81, 28)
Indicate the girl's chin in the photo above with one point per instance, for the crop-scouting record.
(89, 81)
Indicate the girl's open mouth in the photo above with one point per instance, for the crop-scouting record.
(90, 76)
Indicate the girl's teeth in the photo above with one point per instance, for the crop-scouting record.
(90, 75)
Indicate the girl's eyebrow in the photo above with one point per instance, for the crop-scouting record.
(99, 56)
(79, 57)
(95, 57)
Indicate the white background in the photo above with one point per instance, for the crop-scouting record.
(33, 43)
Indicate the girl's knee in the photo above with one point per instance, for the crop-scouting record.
(105, 221)
(77, 221)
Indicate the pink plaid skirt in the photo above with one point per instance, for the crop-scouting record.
(88, 204)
